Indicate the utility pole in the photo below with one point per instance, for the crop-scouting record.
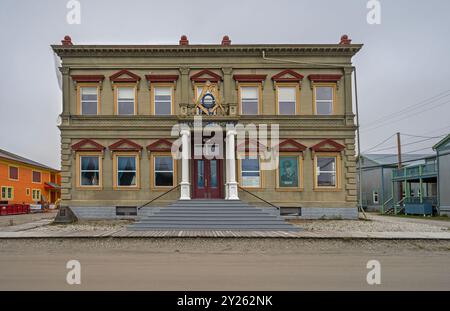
(399, 164)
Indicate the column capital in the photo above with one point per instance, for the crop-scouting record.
(185, 132)
(184, 70)
(227, 70)
(64, 70)
(231, 132)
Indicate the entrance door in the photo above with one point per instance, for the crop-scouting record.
(207, 179)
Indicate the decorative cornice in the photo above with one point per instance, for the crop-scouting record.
(161, 78)
(88, 78)
(270, 50)
(249, 78)
(324, 77)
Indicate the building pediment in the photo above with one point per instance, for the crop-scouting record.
(87, 145)
(124, 76)
(287, 76)
(125, 145)
(327, 145)
(161, 145)
(250, 145)
(290, 145)
(206, 75)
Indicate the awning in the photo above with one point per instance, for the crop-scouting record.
(52, 186)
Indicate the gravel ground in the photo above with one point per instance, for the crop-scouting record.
(371, 225)
(84, 226)
(13, 220)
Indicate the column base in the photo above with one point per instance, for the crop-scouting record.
(185, 193)
(233, 191)
(226, 191)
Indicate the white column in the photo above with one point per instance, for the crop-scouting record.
(185, 193)
(231, 163)
(227, 168)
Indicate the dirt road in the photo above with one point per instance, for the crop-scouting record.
(223, 264)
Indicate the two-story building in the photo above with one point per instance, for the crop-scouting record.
(121, 104)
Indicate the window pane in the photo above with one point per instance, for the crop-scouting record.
(163, 100)
(163, 163)
(14, 172)
(288, 171)
(126, 163)
(89, 163)
(126, 178)
(250, 181)
(36, 177)
(324, 108)
(326, 171)
(324, 93)
(250, 165)
(126, 93)
(213, 167)
(126, 108)
(163, 179)
(90, 178)
(89, 108)
(287, 94)
(200, 174)
(286, 108)
(88, 93)
(249, 100)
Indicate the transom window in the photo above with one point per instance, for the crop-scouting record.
(36, 195)
(89, 171)
(375, 197)
(126, 100)
(126, 171)
(249, 100)
(7, 193)
(250, 173)
(163, 171)
(36, 177)
(324, 99)
(13, 173)
(326, 171)
(287, 100)
(163, 100)
(89, 100)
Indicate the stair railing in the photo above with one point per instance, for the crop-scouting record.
(258, 197)
(159, 196)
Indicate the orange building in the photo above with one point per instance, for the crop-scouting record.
(26, 181)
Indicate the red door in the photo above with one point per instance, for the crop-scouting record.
(207, 179)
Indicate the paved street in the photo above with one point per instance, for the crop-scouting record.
(224, 264)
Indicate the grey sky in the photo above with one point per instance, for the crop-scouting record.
(404, 60)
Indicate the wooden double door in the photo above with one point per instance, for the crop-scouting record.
(207, 178)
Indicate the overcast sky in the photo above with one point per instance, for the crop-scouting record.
(405, 60)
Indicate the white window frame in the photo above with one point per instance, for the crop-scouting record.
(161, 171)
(81, 170)
(170, 102)
(90, 100)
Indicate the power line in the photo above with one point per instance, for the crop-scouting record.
(408, 144)
(380, 143)
(403, 117)
(412, 107)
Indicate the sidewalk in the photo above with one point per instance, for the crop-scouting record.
(124, 233)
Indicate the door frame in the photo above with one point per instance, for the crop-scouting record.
(195, 190)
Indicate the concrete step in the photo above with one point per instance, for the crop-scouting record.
(212, 215)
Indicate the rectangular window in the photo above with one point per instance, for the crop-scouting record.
(163, 168)
(249, 96)
(126, 100)
(7, 193)
(324, 99)
(89, 171)
(126, 171)
(326, 171)
(289, 171)
(89, 100)
(162, 100)
(36, 177)
(250, 173)
(27, 192)
(14, 173)
(287, 100)
(36, 195)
